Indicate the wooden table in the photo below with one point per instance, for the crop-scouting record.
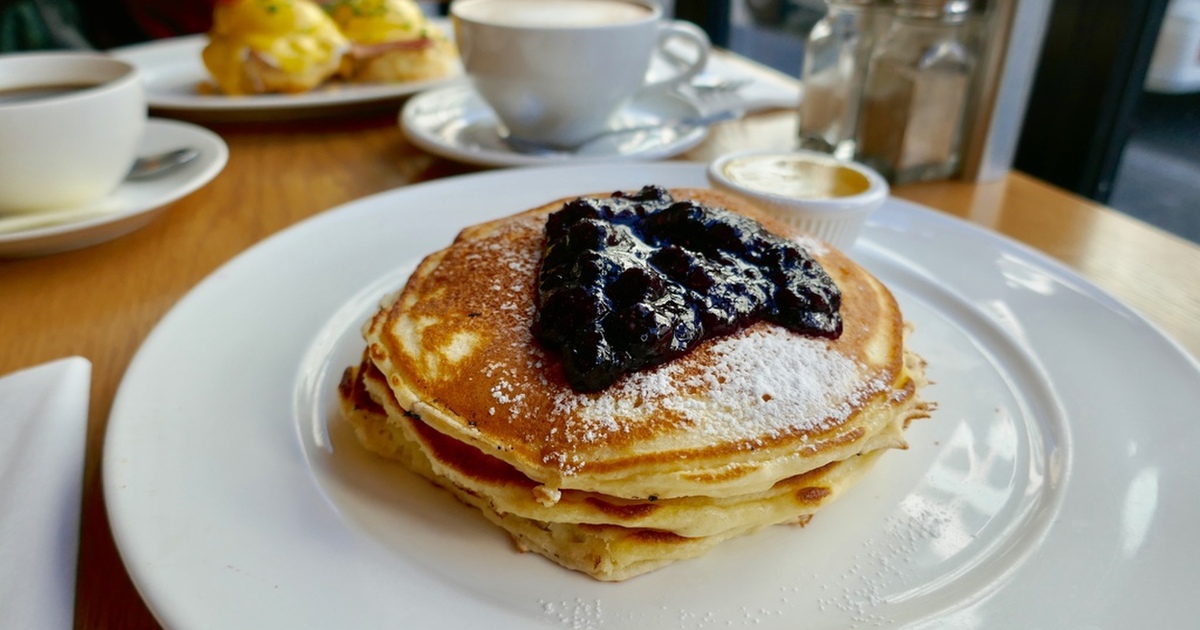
(101, 302)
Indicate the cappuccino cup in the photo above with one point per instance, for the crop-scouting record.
(70, 126)
(555, 72)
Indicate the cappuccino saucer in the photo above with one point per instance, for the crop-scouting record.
(455, 123)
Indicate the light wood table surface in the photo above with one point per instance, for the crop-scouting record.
(101, 302)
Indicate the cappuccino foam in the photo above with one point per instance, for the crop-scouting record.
(553, 13)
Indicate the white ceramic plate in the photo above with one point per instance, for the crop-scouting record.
(1053, 488)
(454, 122)
(173, 72)
(134, 203)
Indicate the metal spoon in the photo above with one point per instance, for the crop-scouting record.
(704, 84)
(143, 168)
(155, 165)
(678, 125)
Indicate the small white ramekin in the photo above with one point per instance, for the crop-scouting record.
(814, 192)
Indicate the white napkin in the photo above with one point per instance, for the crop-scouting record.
(765, 89)
(43, 426)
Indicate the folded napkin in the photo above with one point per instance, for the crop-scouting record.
(762, 88)
(43, 425)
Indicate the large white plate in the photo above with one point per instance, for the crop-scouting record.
(173, 72)
(1053, 488)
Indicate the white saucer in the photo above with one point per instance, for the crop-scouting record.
(455, 123)
(134, 203)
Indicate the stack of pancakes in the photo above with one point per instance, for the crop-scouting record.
(758, 427)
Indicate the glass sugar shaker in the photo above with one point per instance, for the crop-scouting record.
(836, 53)
(917, 87)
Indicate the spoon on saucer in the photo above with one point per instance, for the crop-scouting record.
(144, 168)
(159, 164)
(676, 125)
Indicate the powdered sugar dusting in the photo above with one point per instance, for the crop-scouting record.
(579, 614)
(875, 575)
(814, 246)
(766, 382)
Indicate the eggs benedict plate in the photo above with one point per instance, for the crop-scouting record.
(178, 83)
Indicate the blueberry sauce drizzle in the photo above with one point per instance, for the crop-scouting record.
(637, 279)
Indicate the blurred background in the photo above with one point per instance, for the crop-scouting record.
(1108, 105)
(1113, 109)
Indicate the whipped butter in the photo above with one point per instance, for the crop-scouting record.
(795, 176)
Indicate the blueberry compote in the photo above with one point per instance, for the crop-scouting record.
(637, 279)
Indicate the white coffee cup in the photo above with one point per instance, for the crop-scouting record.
(556, 71)
(70, 125)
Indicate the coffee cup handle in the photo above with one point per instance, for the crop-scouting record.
(679, 29)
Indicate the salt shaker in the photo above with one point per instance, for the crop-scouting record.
(835, 66)
(915, 97)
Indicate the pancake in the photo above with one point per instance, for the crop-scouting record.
(381, 425)
(734, 416)
(760, 426)
(607, 538)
